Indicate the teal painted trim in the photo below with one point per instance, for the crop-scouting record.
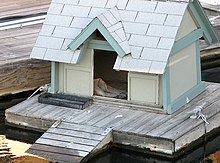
(203, 21)
(89, 30)
(83, 36)
(181, 101)
(198, 62)
(166, 88)
(54, 77)
(82, 51)
(186, 41)
(100, 45)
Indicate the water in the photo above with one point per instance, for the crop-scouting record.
(123, 155)
(211, 75)
(21, 135)
(116, 154)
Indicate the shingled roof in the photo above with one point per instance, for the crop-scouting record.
(145, 30)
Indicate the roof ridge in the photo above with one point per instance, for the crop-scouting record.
(111, 19)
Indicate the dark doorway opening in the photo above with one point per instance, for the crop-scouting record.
(107, 81)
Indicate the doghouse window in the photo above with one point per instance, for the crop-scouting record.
(107, 81)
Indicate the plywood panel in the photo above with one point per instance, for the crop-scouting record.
(187, 26)
(143, 88)
(78, 82)
(77, 78)
(183, 71)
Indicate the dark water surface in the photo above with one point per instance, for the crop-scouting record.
(119, 154)
(122, 155)
(21, 135)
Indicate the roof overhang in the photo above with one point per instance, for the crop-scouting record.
(87, 35)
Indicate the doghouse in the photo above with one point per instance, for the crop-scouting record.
(148, 50)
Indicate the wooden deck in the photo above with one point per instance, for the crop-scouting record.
(22, 7)
(161, 133)
(17, 71)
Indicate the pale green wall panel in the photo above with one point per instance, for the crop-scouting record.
(187, 26)
(78, 78)
(183, 71)
(54, 77)
(78, 82)
(143, 88)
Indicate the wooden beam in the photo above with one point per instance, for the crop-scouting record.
(198, 62)
(82, 51)
(54, 77)
(186, 41)
(100, 45)
(166, 88)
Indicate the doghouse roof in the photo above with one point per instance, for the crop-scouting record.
(143, 31)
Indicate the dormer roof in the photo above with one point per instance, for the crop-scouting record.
(145, 31)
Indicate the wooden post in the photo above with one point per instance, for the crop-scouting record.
(54, 77)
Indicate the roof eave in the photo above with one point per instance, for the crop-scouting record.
(89, 30)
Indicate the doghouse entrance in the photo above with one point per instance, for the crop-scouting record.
(107, 81)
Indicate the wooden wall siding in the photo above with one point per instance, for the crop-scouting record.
(187, 26)
(182, 77)
(22, 7)
(23, 75)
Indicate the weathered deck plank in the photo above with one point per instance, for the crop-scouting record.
(23, 7)
(127, 116)
(139, 128)
(59, 155)
(71, 139)
(179, 117)
(102, 115)
(188, 124)
(55, 149)
(60, 137)
(65, 144)
(68, 132)
(140, 121)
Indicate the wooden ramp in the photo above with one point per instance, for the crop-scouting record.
(69, 142)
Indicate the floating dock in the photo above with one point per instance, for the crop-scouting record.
(78, 132)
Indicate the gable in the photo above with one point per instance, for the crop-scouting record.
(110, 26)
(187, 26)
(203, 22)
